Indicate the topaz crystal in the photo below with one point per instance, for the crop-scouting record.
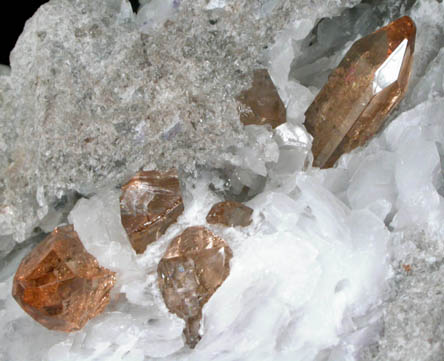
(193, 267)
(150, 202)
(230, 213)
(263, 101)
(60, 284)
(367, 84)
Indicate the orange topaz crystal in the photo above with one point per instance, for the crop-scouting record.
(230, 213)
(367, 84)
(193, 267)
(60, 284)
(263, 100)
(150, 202)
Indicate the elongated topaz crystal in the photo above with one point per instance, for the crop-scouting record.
(367, 84)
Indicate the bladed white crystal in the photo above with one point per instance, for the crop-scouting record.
(388, 72)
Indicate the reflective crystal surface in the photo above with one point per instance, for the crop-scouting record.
(60, 284)
(230, 213)
(193, 267)
(263, 100)
(367, 84)
(150, 202)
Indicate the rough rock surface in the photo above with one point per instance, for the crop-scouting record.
(91, 99)
(413, 315)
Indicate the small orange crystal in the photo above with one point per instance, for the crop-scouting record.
(193, 267)
(230, 213)
(367, 84)
(150, 202)
(264, 102)
(60, 284)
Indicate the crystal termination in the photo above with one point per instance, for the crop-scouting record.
(60, 284)
(368, 83)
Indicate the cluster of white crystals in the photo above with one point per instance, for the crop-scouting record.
(310, 276)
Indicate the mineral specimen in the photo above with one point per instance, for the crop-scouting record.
(230, 213)
(60, 284)
(193, 267)
(90, 100)
(264, 102)
(367, 84)
(151, 201)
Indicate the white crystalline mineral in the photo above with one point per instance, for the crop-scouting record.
(264, 150)
(97, 222)
(432, 84)
(216, 4)
(341, 264)
(154, 14)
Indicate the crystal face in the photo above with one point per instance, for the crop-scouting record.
(230, 213)
(150, 202)
(193, 267)
(264, 102)
(367, 84)
(388, 72)
(60, 284)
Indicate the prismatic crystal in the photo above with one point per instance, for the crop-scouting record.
(367, 84)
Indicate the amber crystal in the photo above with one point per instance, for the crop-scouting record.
(263, 101)
(230, 213)
(193, 267)
(60, 284)
(367, 84)
(151, 201)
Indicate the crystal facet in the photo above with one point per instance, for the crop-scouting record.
(264, 102)
(230, 213)
(368, 83)
(193, 267)
(60, 284)
(151, 201)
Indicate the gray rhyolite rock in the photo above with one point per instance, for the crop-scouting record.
(91, 99)
(413, 314)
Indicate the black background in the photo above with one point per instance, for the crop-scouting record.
(13, 18)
